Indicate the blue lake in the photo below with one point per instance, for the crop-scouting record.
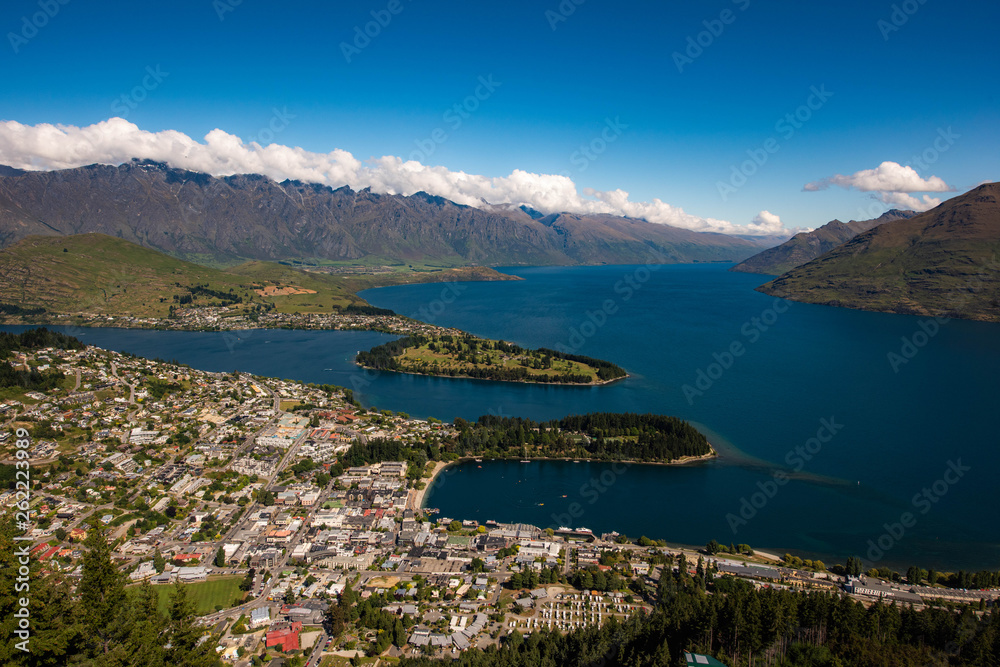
(774, 385)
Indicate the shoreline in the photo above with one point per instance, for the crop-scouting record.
(416, 498)
(600, 383)
(295, 326)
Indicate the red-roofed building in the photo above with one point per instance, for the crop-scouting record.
(187, 557)
(40, 547)
(48, 554)
(286, 637)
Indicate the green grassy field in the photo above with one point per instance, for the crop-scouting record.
(94, 273)
(99, 274)
(204, 594)
(422, 359)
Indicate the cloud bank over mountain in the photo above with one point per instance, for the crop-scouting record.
(891, 182)
(113, 141)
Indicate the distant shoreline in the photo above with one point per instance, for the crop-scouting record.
(599, 383)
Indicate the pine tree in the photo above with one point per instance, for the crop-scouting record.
(399, 634)
(102, 593)
(54, 633)
(148, 629)
(159, 562)
(184, 647)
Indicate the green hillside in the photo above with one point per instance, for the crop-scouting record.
(807, 246)
(942, 262)
(95, 274)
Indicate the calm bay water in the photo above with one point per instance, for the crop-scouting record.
(797, 367)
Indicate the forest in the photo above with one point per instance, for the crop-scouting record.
(601, 436)
(359, 309)
(33, 339)
(101, 623)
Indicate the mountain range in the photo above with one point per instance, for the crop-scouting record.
(941, 262)
(225, 221)
(807, 246)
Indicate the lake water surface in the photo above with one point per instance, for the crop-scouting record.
(774, 385)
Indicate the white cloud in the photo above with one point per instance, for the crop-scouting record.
(765, 223)
(907, 201)
(46, 147)
(887, 177)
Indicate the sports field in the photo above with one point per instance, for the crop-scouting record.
(204, 594)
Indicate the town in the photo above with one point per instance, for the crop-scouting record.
(252, 492)
(233, 318)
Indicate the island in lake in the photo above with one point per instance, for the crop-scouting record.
(469, 356)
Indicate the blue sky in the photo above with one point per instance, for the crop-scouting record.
(560, 75)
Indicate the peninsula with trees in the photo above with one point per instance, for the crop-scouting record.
(469, 356)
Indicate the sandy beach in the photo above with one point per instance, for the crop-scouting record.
(416, 497)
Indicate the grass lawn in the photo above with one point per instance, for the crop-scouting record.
(422, 360)
(204, 594)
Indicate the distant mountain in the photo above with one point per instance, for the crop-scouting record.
(807, 246)
(221, 221)
(945, 261)
(768, 241)
(10, 171)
